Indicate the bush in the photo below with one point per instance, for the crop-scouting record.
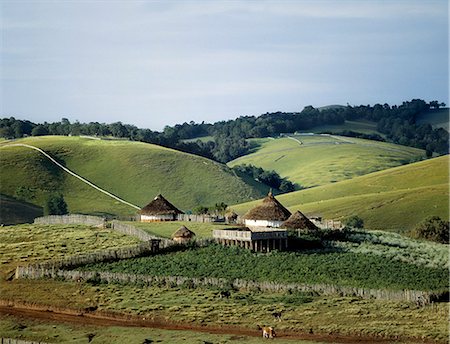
(354, 222)
(55, 205)
(433, 228)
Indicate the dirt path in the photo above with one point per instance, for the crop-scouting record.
(95, 319)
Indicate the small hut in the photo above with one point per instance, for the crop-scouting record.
(299, 221)
(270, 213)
(159, 209)
(183, 235)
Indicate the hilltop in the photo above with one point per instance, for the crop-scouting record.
(395, 199)
(134, 171)
(313, 160)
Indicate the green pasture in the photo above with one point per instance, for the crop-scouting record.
(202, 307)
(134, 171)
(14, 211)
(29, 243)
(344, 268)
(202, 139)
(318, 160)
(395, 199)
(437, 118)
(54, 332)
(364, 127)
(165, 229)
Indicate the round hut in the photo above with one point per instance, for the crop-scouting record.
(299, 221)
(159, 209)
(270, 213)
(183, 235)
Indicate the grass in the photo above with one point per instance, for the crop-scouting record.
(201, 307)
(395, 199)
(323, 267)
(321, 160)
(364, 127)
(322, 315)
(14, 211)
(134, 171)
(29, 243)
(166, 229)
(30, 330)
(201, 138)
(437, 118)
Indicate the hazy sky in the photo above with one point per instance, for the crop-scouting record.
(156, 63)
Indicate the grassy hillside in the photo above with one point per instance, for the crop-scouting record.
(134, 171)
(318, 160)
(437, 118)
(13, 211)
(395, 199)
(365, 127)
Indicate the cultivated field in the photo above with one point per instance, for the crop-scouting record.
(134, 171)
(319, 160)
(395, 199)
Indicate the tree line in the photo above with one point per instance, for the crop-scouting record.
(398, 123)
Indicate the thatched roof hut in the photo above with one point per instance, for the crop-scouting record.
(270, 213)
(183, 234)
(299, 221)
(159, 209)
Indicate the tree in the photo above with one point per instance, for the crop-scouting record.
(39, 130)
(200, 210)
(432, 228)
(55, 205)
(355, 222)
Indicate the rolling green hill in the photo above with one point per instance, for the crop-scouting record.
(395, 199)
(312, 160)
(133, 171)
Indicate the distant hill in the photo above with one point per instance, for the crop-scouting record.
(136, 172)
(395, 199)
(313, 160)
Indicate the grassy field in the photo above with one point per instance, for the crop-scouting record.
(201, 307)
(318, 160)
(134, 171)
(12, 327)
(344, 268)
(14, 211)
(437, 118)
(28, 243)
(364, 127)
(395, 199)
(166, 229)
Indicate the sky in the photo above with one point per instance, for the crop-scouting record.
(158, 63)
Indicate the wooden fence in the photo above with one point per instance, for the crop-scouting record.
(36, 272)
(139, 233)
(71, 219)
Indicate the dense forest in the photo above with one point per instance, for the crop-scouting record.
(397, 122)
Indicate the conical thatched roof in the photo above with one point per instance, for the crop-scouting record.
(160, 206)
(299, 221)
(269, 210)
(183, 232)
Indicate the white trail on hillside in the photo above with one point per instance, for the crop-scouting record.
(73, 173)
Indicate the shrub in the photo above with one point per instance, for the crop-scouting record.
(432, 228)
(55, 205)
(354, 222)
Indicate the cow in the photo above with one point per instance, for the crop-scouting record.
(267, 332)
